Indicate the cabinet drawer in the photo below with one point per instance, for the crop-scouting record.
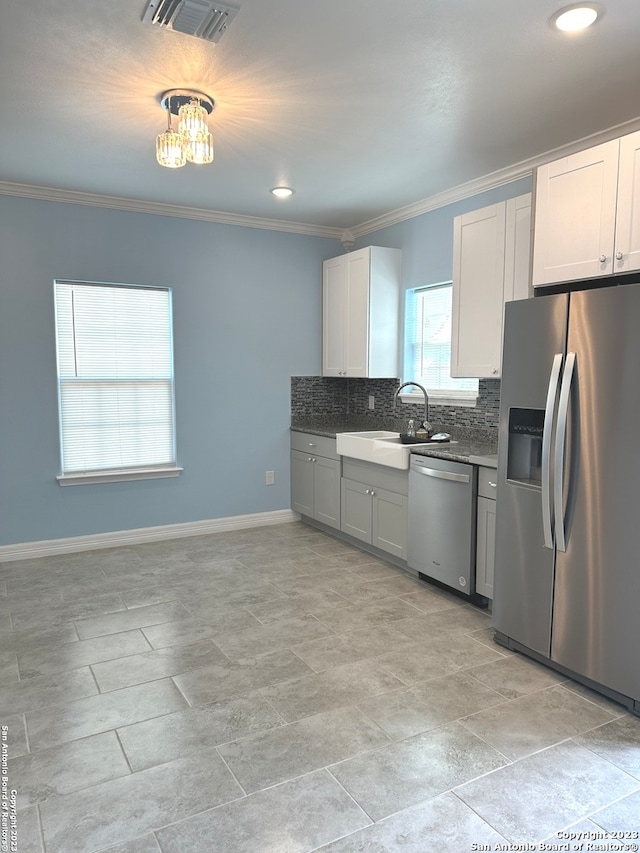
(487, 480)
(378, 476)
(315, 445)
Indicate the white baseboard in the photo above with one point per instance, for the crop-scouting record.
(72, 544)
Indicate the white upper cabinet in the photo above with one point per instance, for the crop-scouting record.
(334, 316)
(627, 244)
(517, 249)
(491, 251)
(587, 213)
(360, 312)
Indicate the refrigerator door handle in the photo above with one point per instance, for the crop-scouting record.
(561, 436)
(554, 379)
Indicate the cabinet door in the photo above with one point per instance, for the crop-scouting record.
(355, 510)
(478, 275)
(627, 254)
(575, 215)
(517, 248)
(326, 491)
(384, 312)
(390, 522)
(334, 301)
(486, 546)
(357, 313)
(302, 483)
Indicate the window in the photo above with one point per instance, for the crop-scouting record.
(115, 382)
(428, 346)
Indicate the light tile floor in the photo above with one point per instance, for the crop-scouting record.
(276, 691)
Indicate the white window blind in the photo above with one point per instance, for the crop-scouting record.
(115, 377)
(428, 343)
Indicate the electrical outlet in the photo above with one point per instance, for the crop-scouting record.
(372, 401)
(269, 478)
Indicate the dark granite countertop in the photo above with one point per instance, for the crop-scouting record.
(475, 452)
(478, 447)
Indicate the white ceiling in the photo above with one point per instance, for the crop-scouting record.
(363, 106)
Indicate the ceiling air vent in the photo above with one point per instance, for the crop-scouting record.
(205, 19)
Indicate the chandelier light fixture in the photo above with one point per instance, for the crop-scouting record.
(191, 142)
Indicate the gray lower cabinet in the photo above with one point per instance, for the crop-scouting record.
(315, 479)
(372, 513)
(486, 531)
(390, 522)
(357, 510)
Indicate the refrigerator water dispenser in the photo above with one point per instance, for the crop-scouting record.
(524, 457)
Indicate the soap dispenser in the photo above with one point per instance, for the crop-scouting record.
(411, 430)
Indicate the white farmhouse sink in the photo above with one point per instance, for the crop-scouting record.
(379, 446)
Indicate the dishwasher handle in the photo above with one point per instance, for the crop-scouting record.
(442, 475)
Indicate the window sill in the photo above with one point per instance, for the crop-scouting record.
(435, 399)
(120, 476)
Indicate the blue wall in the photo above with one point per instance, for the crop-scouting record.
(247, 316)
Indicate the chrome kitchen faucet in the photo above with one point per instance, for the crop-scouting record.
(426, 400)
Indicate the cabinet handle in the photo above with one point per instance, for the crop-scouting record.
(314, 459)
(312, 445)
(309, 459)
(367, 492)
(494, 371)
(372, 493)
(493, 485)
(619, 256)
(603, 259)
(442, 475)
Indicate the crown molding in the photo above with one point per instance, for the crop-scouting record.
(493, 180)
(161, 209)
(463, 191)
(459, 193)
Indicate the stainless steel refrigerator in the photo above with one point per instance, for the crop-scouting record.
(567, 575)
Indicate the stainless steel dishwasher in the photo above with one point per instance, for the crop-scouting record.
(442, 523)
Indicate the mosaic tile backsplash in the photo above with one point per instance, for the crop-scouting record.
(313, 396)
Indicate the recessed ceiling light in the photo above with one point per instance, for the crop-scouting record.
(576, 17)
(282, 192)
